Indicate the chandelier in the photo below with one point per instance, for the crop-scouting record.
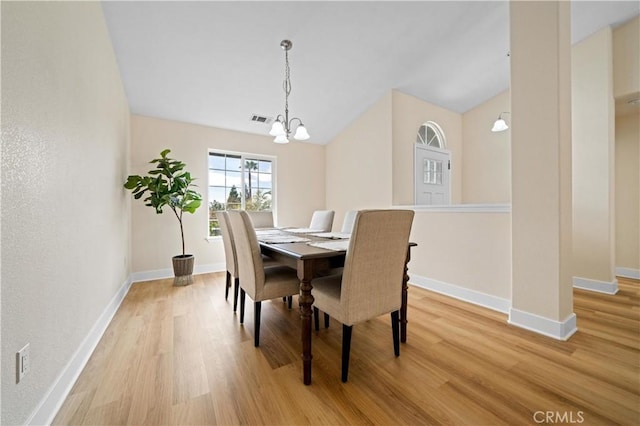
(282, 127)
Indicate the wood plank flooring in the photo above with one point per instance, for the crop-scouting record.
(177, 355)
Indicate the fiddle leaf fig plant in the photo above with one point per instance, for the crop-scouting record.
(167, 185)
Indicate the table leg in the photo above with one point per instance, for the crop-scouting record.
(403, 308)
(306, 303)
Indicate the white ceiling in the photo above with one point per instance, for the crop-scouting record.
(217, 63)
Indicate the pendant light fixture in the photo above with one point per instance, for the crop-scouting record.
(282, 127)
(500, 125)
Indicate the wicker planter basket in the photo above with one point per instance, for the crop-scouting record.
(183, 269)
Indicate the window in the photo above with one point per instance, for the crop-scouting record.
(430, 134)
(432, 172)
(239, 181)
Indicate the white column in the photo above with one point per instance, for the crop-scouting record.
(542, 298)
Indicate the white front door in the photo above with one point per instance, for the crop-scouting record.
(432, 175)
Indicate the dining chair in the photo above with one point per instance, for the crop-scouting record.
(261, 219)
(231, 259)
(371, 282)
(259, 282)
(347, 223)
(322, 220)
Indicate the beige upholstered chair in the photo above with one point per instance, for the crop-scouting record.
(229, 256)
(371, 282)
(347, 223)
(322, 220)
(259, 282)
(232, 261)
(261, 219)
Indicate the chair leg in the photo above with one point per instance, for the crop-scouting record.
(316, 321)
(395, 328)
(236, 287)
(257, 307)
(346, 349)
(227, 285)
(242, 296)
(326, 320)
(290, 301)
(284, 299)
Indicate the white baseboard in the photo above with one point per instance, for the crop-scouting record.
(57, 393)
(486, 300)
(596, 285)
(628, 272)
(159, 274)
(559, 330)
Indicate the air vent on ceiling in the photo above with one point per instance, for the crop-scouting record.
(261, 119)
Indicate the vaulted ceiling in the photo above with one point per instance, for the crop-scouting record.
(219, 63)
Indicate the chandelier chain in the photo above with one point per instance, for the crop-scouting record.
(287, 89)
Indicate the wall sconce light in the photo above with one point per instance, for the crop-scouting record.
(500, 125)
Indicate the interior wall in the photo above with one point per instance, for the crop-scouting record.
(300, 187)
(65, 216)
(358, 163)
(627, 195)
(408, 114)
(486, 164)
(626, 58)
(593, 110)
(452, 248)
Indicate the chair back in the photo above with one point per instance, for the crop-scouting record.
(230, 256)
(250, 266)
(374, 264)
(322, 220)
(349, 220)
(261, 219)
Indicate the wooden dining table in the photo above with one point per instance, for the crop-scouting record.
(310, 262)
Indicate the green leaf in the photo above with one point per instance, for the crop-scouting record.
(164, 153)
(192, 206)
(132, 181)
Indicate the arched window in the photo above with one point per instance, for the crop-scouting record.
(430, 134)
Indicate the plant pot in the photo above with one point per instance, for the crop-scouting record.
(183, 269)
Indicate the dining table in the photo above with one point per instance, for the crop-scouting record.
(303, 251)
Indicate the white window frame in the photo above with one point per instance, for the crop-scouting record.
(437, 130)
(243, 157)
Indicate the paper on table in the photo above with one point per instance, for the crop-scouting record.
(269, 232)
(302, 230)
(341, 245)
(281, 239)
(333, 235)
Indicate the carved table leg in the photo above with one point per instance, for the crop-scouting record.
(306, 303)
(403, 308)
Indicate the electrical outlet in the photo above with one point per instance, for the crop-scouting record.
(23, 362)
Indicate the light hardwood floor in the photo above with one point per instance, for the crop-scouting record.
(178, 356)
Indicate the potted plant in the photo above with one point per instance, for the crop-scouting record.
(169, 185)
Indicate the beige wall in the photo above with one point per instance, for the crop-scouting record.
(628, 191)
(486, 164)
(65, 216)
(408, 114)
(452, 248)
(593, 158)
(358, 163)
(300, 187)
(626, 58)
